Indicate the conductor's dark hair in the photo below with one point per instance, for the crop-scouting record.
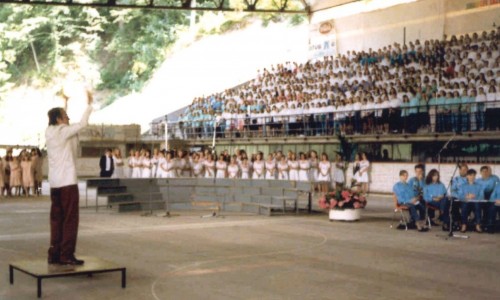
(54, 114)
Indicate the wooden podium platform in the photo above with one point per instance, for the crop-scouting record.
(40, 269)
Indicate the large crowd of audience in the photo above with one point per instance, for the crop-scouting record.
(436, 86)
(21, 175)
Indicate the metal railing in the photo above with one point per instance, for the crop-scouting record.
(463, 117)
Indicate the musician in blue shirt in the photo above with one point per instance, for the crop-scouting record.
(405, 195)
(471, 191)
(493, 208)
(418, 182)
(435, 196)
(487, 181)
(460, 180)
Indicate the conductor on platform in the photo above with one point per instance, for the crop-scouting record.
(62, 144)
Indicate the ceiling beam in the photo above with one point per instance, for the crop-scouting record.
(219, 5)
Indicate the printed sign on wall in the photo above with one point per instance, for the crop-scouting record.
(322, 40)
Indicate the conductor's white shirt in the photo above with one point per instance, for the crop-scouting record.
(62, 142)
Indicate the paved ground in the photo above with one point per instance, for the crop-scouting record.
(252, 257)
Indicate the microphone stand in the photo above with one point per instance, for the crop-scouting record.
(444, 147)
(150, 204)
(167, 203)
(452, 234)
(216, 212)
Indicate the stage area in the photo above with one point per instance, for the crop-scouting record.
(243, 256)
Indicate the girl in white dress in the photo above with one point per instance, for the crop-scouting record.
(245, 168)
(293, 165)
(324, 173)
(338, 173)
(119, 164)
(183, 166)
(130, 163)
(313, 173)
(136, 165)
(209, 165)
(233, 169)
(155, 160)
(304, 168)
(146, 164)
(258, 167)
(197, 166)
(283, 169)
(355, 170)
(221, 167)
(270, 165)
(364, 166)
(168, 166)
(160, 173)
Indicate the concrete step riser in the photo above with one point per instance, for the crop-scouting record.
(111, 190)
(102, 182)
(121, 198)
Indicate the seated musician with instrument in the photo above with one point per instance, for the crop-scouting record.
(405, 196)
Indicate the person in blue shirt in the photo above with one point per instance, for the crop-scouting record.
(435, 196)
(459, 180)
(405, 195)
(493, 208)
(465, 111)
(471, 191)
(418, 182)
(488, 181)
(413, 107)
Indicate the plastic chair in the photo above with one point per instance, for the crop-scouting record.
(399, 208)
(428, 219)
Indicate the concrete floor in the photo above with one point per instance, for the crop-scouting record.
(252, 257)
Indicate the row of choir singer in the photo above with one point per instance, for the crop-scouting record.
(22, 174)
(308, 167)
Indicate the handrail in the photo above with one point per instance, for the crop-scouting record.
(447, 117)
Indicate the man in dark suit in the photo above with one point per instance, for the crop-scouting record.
(106, 164)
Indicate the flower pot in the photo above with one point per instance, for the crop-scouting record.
(345, 214)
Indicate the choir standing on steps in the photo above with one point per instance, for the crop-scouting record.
(323, 174)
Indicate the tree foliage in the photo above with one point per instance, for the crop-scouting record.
(40, 44)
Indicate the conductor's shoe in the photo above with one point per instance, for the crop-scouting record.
(53, 259)
(73, 262)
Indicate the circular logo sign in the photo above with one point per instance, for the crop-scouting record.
(325, 27)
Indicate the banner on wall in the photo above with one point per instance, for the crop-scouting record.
(322, 40)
